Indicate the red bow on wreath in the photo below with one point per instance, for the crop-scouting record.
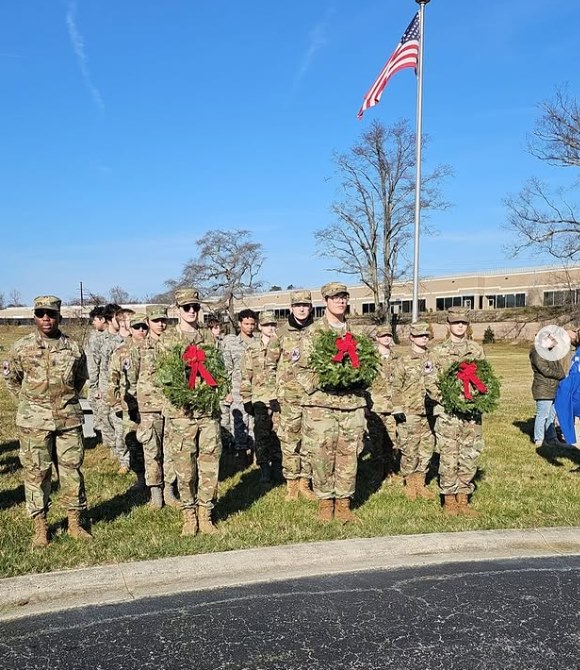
(466, 374)
(194, 358)
(346, 346)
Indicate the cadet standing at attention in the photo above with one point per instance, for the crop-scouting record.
(45, 373)
(282, 356)
(333, 424)
(459, 437)
(414, 384)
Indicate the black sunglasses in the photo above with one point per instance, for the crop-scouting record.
(160, 320)
(195, 307)
(40, 313)
(140, 326)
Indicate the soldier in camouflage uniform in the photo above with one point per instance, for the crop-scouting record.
(93, 353)
(333, 423)
(233, 348)
(283, 354)
(256, 394)
(414, 384)
(381, 424)
(192, 437)
(459, 437)
(45, 374)
(214, 326)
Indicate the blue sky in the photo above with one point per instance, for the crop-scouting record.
(130, 128)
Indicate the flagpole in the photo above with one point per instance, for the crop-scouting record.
(419, 135)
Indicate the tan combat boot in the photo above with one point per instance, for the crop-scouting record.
(342, 511)
(420, 488)
(410, 489)
(169, 496)
(205, 523)
(292, 490)
(156, 497)
(463, 506)
(326, 510)
(189, 522)
(40, 538)
(74, 526)
(304, 489)
(450, 506)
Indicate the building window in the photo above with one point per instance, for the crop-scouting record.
(559, 298)
(281, 313)
(505, 300)
(443, 304)
(368, 307)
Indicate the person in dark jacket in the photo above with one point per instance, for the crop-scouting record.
(547, 376)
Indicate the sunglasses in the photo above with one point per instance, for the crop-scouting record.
(195, 307)
(161, 320)
(140, 326)
(40, 313)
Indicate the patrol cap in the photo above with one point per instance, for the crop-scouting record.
(186, 296)
(383, 329)
(300, 296)
(455, 314)
(420, 328)
(156, 311)
(333, 288)
(48, 302)
(267, 317)
(138, 320)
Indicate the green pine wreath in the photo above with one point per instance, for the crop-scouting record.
(173, 380)
(452, 395)
(343, 376)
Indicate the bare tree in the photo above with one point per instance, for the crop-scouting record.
(15, 298)
(374, 217)
(545, 218)
(1, 300)
(118, 295)
(227, 266)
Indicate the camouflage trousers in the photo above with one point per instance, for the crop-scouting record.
(295, 459)
(195, 447)
(382, 441)
(119, 448)
(226, 426)
(333, 438)
(417, 444)
(460, 442)
(39, 449)
(150, 434)
(266, 441)
(101, 413)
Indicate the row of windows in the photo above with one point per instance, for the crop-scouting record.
(443, 304)
(555, 298)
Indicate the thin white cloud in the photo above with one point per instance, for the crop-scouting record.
(78, 45)
(317, 40)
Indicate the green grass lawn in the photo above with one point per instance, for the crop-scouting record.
(517, 488)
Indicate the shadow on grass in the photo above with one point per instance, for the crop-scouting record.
(12, 497)
(234, 461)
(242, 496)
(5, 447)
(10, 465)
(119, 505)
(526, 427)
(555, 455)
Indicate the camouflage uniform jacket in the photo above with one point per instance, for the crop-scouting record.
(314, 396)
(170, 339)
(448, 352)
(414, 381)
(142, 375)
(254, 382)
(121, 395)
(109, 343)
(233, 348)
(93, 352)
(381, 391)
(282, 354)
(46, 380)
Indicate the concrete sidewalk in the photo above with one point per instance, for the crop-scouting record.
(42, 593)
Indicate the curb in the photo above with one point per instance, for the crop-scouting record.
(48, 592)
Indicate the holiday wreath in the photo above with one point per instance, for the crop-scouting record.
(193, 377)
(344, 363)
(469, 387)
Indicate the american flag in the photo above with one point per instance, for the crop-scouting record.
(405, 55)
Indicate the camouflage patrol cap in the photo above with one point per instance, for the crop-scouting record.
(156, 311)
(186, 296)
(383, 329)
(333, 288)
(420, 328)
(138, 319)
(47, 302)
(455, 314)
(267, 317)
(300, 296)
